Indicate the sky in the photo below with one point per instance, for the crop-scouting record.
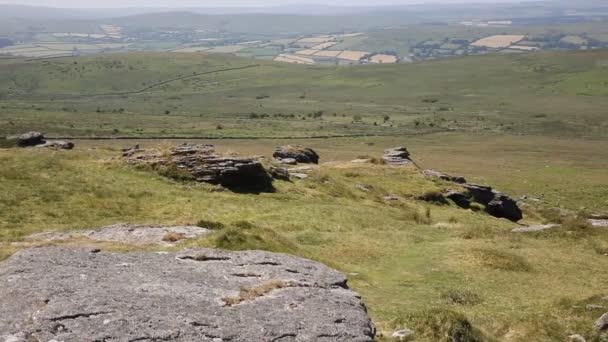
(219, 3)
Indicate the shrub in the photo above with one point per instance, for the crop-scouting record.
(499, 260)
(210, 224)
(460, 297)
(443, 325)
(173, 237)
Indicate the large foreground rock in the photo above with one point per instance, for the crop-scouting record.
(129, 234)
(298, 154)
(69, 295)
(200, 163)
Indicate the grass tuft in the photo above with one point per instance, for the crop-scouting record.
(500, 260)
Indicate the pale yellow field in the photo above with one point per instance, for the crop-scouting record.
(307, 52)
(328, 53)
(324, 46)
(191, 49)
(352, 55)
(383, 59)
(315, 40)
(227, 49)
(500, 41)
(293, 59)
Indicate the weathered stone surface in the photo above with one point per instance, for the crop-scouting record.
(397, 156)
(200, 163)
(599, 223)
(129, 233)
(403, 335)
(497, 204)
(30, 139)
(444, 176)
(288, 161)
(461, 199)
(57, 144)
(602, 323)
(299, 175)
(199, 295)
(576, 338)
(300, 154)
(536, 228)
(280, 173)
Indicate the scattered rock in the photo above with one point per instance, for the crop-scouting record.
(288, 161)
(58, 144)
(361, 161)
(594, 307)
(444, 176)
(30, 139)
(300, 154)
(197, 295)
(362, 187)
(128, 233)
(403, 335)
(536, 228)
(576, 338)
(602, 323)
(391, 198)
(200, 163)
(462, 200)
(36, 139)
(599, 223)
(304, 168)
(299, 175)
(497, 204)
(279, 173)
(397, 156)
(129, 151)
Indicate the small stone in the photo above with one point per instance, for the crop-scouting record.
(391, 198)
(279, 173)
(361, 161)
(594, 307)
(299, 175)
(602, 323)
(30, 139)
(535, 228)
(403, 335)
(576, 338)
(288, 161)
(362, 187)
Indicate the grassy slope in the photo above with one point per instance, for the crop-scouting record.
(407, 267)
(541, 93)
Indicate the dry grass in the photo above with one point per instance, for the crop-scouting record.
(173, 237)
(254, 292)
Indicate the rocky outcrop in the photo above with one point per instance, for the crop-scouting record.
(444, 176)
(299, 154)
(397, 156)
(57, 144)
(496, 204)
(128, 233)
(200, 163)
(197, 295)
(36, 139)
(30, 139)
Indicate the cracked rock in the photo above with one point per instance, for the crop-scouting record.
(179, 296)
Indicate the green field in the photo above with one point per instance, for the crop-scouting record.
(532, 125)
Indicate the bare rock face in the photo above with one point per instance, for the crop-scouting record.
(36, 139)
(66, 294)
(444, 176)
(397, 156)
(128, 233)
(200, 163)
(30, 139)
(497, 204)
(288, 154)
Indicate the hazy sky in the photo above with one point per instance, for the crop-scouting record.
(218, 3)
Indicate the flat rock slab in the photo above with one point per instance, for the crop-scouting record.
(75, 294)
(128, 233)
(599, 223)
(536, 228)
